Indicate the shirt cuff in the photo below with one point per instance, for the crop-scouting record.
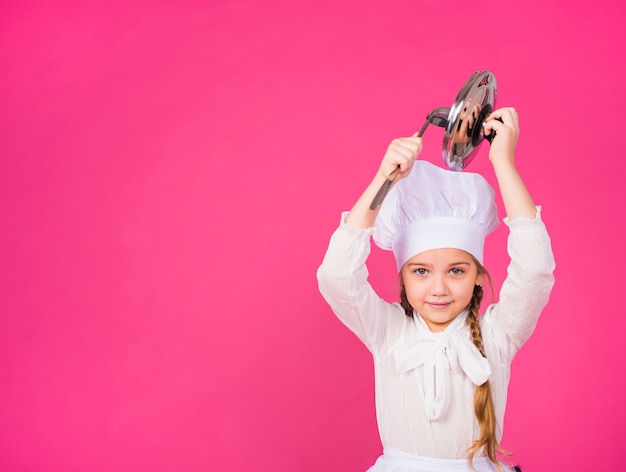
(524, 221)
(354, 231)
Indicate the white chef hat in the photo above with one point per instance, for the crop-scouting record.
(434, 208)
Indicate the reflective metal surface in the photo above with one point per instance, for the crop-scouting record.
(464, 130)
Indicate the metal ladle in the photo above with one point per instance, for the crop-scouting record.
(463, 123)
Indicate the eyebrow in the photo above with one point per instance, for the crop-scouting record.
(425, 264)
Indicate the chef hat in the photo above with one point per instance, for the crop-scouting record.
(434, 208)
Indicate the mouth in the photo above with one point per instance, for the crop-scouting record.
(439, 305)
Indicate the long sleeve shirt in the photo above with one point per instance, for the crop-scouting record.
(385, 328)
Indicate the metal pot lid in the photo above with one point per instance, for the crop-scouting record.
(464, 130)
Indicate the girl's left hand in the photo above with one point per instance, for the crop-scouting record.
(507, 133)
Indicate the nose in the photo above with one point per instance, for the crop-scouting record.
(439, 286)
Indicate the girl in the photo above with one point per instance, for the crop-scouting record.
(441, 371)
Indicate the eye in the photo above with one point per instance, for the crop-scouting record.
(457, 271)
(421, 271)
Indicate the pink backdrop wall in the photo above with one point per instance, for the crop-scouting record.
(171, 173)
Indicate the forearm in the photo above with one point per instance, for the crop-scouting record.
(517, 200)
(360, 215)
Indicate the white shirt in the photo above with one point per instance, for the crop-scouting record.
(402, 397)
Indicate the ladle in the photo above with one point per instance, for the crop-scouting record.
(463, 123)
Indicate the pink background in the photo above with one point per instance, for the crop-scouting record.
(172, 171)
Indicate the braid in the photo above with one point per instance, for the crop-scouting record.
(404, 302)
(472, 319)
(483, 399)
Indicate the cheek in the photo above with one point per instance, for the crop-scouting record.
(415, 292)
(465, 292)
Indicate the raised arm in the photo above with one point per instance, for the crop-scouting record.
(343, 275)
(517, 200)
(529, 281)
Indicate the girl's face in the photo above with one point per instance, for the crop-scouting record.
(439, 284)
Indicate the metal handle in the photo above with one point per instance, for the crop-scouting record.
(438, 118)
(384, 189)
(492, 135)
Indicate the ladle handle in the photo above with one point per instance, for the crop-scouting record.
(384, 189)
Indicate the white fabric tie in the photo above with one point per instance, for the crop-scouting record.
(437, 352)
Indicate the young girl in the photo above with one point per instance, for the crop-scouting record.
(441, 371)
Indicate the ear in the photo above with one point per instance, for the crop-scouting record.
(479, 279)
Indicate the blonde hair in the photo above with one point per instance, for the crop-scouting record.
(483, 398)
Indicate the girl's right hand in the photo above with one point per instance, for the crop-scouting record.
(401, 152)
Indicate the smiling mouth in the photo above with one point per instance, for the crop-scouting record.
(439, 306)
